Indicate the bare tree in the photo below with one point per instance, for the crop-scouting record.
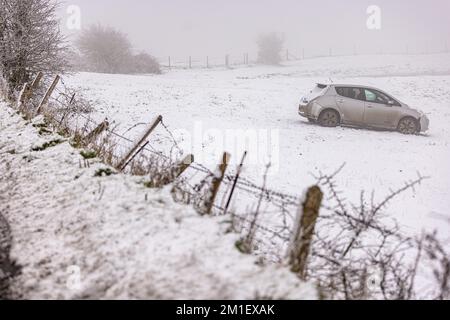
(269, 48)
(105, 49)
(30, 40)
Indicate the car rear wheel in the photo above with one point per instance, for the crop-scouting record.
(329, 118)
(408, 126)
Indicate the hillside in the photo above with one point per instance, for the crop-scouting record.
(75, 235)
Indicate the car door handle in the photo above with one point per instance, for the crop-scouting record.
(370, 107)
(341, 100)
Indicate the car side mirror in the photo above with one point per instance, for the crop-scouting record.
(391, 103)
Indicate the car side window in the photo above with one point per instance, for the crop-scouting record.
(358, 93)
(351, 92)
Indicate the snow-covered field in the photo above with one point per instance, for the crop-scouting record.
(267, 98)
(79, 236)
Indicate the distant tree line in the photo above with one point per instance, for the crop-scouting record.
(31, 42)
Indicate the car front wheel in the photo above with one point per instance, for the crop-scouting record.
(329, 118)
(408, 126)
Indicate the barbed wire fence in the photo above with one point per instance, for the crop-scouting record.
(246, 59)
(279, 227)
(269, 213)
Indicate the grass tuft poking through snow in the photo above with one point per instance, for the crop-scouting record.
(47, 145)
(104, 172)
(87, 155)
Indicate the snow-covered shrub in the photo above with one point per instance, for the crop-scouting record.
(41, 50)
(71, 101)
(359, 252)
(158, 171)
(145, 63)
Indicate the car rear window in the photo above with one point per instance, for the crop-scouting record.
(319, 90)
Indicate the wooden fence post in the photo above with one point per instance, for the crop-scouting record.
(227, 61)
(183, 165)
(169, 63)
(48, 94)
(300, 245)
(23, 95)
(147, 133)
(207, 62)
(72, 99)
(134, 156)
(36, 81)
(28, 90)
(190, 62)
(217, 180)
(236, 179)
(96, 132)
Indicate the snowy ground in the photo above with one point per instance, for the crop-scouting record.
(267, 98)
(80, 236)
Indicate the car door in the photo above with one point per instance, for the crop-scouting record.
(351, 103)
(380, 110)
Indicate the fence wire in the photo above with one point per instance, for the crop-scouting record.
(277, 209)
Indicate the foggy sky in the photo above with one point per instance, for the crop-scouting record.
(218, 27)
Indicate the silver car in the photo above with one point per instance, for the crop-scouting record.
(338, 104)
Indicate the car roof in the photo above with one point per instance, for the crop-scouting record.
(353, 86)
